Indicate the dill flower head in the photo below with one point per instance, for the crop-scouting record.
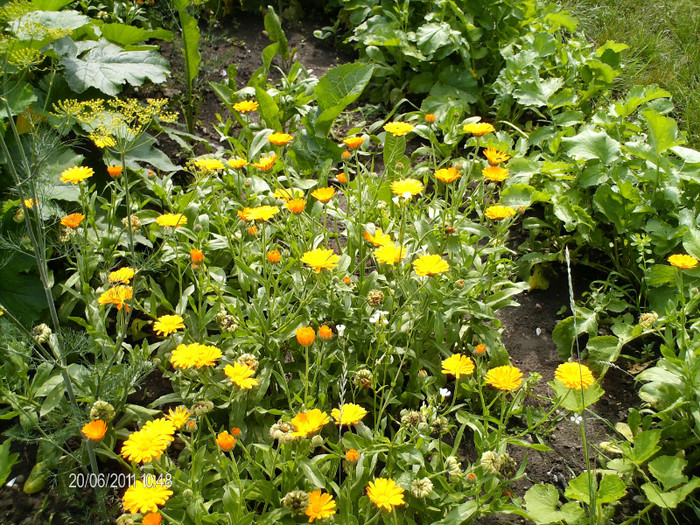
(379, 238)
(320, 259)
(209, 164)
(458, 365)
(102, 140)
(430, 265)
(323, 194)
(681, 260)
(241, 375)
(574, 375)
(448, 175)
(226, 441)
(73, 220)
(296, 206)
(479, 128)
(390, 253)
(498, 212)
(321, 505)
(122, 275)
(279, 139)
(194, 354)
(143, 499)
(171, 220)
(114, 171)
(117, 296)
(495, 173)
(348, 414)
(354, 142)
(309, 422)
(504, 377)
(495, 157)
(265, 163)
(305, 335)
(385, 493)
(398, 129)
(76, 174)
(237, 163)
(95, 430)
(178, 417)
(245, 106)
(168, 324)
(403, 186)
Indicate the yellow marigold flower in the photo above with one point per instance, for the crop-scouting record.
(148, 443)
(237, 163)
(448, 175)
(321, 505)
(30, 203)
(498, 212)
(241, 375)
(296, 206)
(245, 106)
(171, 220)
(168, 324)
(265, 163)
(320, 259)
(430, 265)
(261, 213)
(430, 117)
(504, 377)
(178, 417)
(352, 455)
(117, 296)
(390, 253)
(495, 157)
(95, 430)
(122, 275)
(285, 194)
(142, 498)
(379, 238)
(398, 129)
(325, 332)
(226, 441)
(194, 354)
(354, 142)
(323, 194)
(305, 335)
(574, 375)
(681, 260)
(160, 427)
(76, 174)
(73, 220)
(479, 128)
(309, 422)
(458, 365)
(279, 139)
(495, 173)
(209, 164)
(412, 186)
(348, 414)
(385, 493)
(114, 171)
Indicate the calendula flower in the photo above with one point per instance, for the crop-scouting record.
(430, 265)
(152, 518)
(412, 186)
(448, 175)
(354, 142)
(245, 106)
(323, 194)
(320, 259)
(178, 417)
(226, 441)
(345, 155)
(114, 171)
(430, 117)
(141, 498)
(479, 128)
(194, 354)
(321, 505)
(73, 220)
(241, 375)
(168, 324)
(480, 349)
(265, 163)
(495, 173)
(574, 375)
(197, 257)
(296, 206)
(342, 178)
(235, 431)
(305, 335)
(76, 174)
(379, 238)
(352, 455)
(390, 253)
(504, 377)
(348, 414)
(498, 212)
(237, 163)
(30, 203)
(385, 493)
(261, 213)
(273, 256)
(458, 365)
(253, 230)
(146, 445)
(495, 157)
(117, 296)
(171, 220)
(122, 275)
(95, 430)
(681, 260)
(279, 139)
(325, 332)
(309, 422)
(398, 129)
(209, 164)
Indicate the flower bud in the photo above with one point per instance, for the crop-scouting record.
(421, 488)
(102, 410)
(296, 501)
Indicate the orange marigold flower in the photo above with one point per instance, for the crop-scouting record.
(321, 505)
(430, 117)
(197, 256)
(347, 280)
(448, 175)
(458, 365)
(342, 178)
(114, 171)
(273, 256)
(480, 349)
(354, 142)
(498, 212)
(683, 261)
(226, 441)
(352, 455)
(296, 206)
(504, 377)
(309, 422)
(95, 430)
(152, 518)
(305, 335)
(495, 173)
(345, 155)
(253, 230)
(235, 431)
(265, 163)
(73, 220)
(325, 332)
(117, 296)
(324, 194)
(168, 324)
(237, 163)
(574, 375)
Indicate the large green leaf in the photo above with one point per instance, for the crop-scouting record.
(663, 131)
(273, 26)
(190, 40)
(590, 144)
(125, 35)
(671, 499)
(25, 28)
(7, 460)
(338, 88)
(21, 293)
(432, 37)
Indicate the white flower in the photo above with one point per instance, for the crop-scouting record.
(379, 316)
(340, 329)
(406, 195)
(576, 419)
(444, 392)
(396, 200)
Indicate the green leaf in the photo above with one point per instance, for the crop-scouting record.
(190, 40)
(106, 67)
(338, 88)
(602, 350)
(576, 400)
(273, 26)
(7, 461)
(541, 504)
(690, 156)
(660, 275)
(589, 145)
(25, 27)
(580, 488)
(21, 293)
(432, 37)
(522, 195)
(612, 488)
(269, 110)
(459, 514)
(639, 95)
(663, 131)
(125, 35)
(669, 500)
(536, 92)
(646, 444)
(669, 471)
(691, 242)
